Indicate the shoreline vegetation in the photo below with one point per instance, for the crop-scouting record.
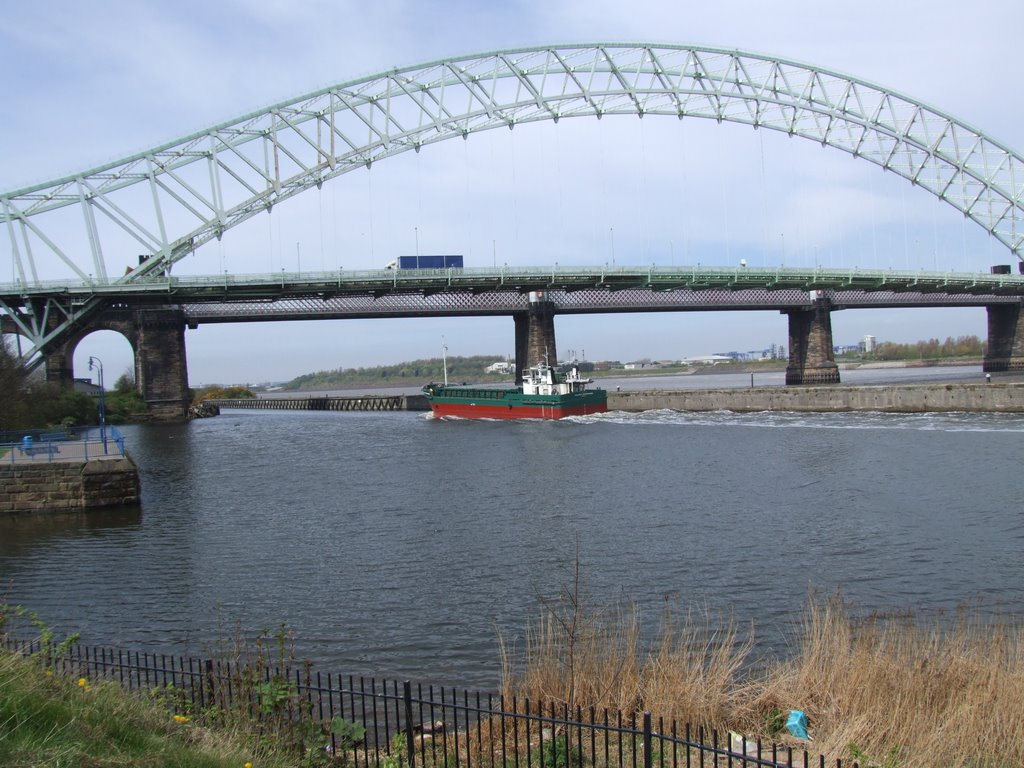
(888, 691)
(49, 719)
(418, 372)
(892, 691)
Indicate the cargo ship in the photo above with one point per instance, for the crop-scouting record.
(545, 394)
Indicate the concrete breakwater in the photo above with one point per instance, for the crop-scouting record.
(68, 485)
(914, 398)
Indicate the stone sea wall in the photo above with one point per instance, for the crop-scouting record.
(67, 486)
(917, 398)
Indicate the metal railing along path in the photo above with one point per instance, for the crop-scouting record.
(426, 725)
(49, 447)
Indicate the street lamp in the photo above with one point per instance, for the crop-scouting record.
(95, 362)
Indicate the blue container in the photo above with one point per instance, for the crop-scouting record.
(453, 261)
(797, 724)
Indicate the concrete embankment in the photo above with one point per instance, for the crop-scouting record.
(918, 398)
(68, 485)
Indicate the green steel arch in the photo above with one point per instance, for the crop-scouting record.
(195, 188)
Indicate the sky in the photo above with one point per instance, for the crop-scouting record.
(88, 83)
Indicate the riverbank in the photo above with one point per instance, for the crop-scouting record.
(61, 719)
(852, 677)
(849, 676)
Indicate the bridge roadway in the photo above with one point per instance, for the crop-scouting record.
(153, 312)
(504, 290)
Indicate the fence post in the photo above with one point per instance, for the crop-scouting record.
(410, 742)
(210, 684)
(648, 752)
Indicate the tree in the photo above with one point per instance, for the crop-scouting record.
(13, 389)
(26, 401)
(125, 383)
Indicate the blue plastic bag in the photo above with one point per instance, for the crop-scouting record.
(797, 724)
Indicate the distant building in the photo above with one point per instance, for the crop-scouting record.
(86, 386)
(868, 344)
(502, 367)
(707, 360)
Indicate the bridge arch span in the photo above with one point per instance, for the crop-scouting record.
(60, 360)
(219, 177)
(156, 337)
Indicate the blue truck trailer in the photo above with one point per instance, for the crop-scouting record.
(451, 261)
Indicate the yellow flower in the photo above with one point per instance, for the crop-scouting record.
(82, 682)
(248, 764)
(181, 719)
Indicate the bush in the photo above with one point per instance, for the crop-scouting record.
(125, 407)
(234, 392)
(49, 405)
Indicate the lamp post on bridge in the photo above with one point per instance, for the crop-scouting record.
(95, 362)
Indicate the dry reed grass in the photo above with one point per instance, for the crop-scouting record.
(889, 690)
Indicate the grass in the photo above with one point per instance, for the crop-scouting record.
(892, 692)
(51, 720)
(887, 691)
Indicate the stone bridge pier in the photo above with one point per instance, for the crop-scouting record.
(535, 334)
(811, 360)
(157, 338)
(1005, 349)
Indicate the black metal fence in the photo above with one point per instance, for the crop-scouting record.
(389, 724)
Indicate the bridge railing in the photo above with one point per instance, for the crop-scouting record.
(832, 277)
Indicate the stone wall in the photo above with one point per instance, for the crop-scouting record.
(66, 486)
(895, 399)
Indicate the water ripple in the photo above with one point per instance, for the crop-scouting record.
(396, 544)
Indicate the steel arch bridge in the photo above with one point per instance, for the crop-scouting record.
(172, 199)
(213, 180)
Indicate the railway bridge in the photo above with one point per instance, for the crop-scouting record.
(67, 237)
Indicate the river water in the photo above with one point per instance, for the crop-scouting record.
(398, 545)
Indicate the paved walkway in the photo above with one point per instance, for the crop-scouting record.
(72, 450)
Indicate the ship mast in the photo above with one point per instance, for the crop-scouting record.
(444, 360)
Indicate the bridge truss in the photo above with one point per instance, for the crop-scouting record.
(172, 199)
(507, 290)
